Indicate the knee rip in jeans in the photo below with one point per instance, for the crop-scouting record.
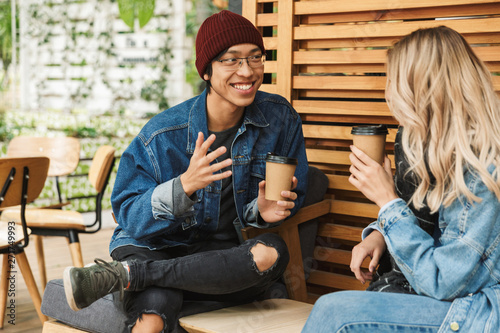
(139, 318)
(262, 250)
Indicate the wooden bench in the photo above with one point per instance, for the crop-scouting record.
(269, 316)
(327, 57)
(54, 326)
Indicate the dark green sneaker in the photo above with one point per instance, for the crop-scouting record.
(84, 286)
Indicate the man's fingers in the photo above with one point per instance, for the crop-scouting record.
(286, 204)
(208, 142)
(221, 165)
(202, 147)
(222, 175)
(289, 195)
(199, 141)
(215, 154)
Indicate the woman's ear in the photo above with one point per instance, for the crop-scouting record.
(206, 77)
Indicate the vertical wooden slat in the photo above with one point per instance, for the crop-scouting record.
(285, 43)
(294, 275)
(249, 10)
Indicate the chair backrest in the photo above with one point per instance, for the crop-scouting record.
(64, 152)
(101, 166)
(22, 180)
(37, 167)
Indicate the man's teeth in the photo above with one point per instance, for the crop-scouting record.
(243, 86)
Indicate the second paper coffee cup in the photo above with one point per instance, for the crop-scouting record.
(371, 140)
(279, 174)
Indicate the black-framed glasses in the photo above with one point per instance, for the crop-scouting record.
(253, 61)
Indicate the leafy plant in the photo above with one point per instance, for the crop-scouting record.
(75, 56)
(82, 132)
(193, 22)
(130, 9)
(4, 132)
(5, 37)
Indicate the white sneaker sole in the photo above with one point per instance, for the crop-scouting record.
(68, 289)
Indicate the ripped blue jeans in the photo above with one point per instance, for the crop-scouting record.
(179, 281)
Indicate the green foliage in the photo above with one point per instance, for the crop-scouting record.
(5, 37)
(154, 91)
(82, 132)
(54, 123)
(112, 130)
(192, 26)
(4, 132)
(74, 58)
(130, 9)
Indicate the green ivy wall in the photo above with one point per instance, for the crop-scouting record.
(104, 130)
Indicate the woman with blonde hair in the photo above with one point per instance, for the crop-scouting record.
(439, 218)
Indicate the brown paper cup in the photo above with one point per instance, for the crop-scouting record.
(371, 141)
(279, 174)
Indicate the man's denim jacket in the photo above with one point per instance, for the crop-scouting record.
(461, 263)
(143, 194)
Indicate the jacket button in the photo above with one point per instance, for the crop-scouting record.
(454, 326)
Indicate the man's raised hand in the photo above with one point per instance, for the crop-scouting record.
(201, 172)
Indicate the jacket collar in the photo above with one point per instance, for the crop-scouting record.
(198, 119)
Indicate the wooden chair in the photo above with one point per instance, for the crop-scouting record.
(64, 155)
(63, 152)
(66, 223)
(22, 181)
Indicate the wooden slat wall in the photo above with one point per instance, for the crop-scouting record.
(327, 57)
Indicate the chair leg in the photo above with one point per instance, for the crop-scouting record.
(75, 249)
(25, 269)
(4, 286)
(40, 255)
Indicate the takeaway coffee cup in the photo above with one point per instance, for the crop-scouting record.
(279, 174)
(370, 140)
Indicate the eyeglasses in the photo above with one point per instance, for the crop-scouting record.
(254, 61)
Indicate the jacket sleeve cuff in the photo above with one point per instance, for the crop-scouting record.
(253, 218)
(387, 205)
(368, 230)
(171, 199)
(395, 210)
(374, 225)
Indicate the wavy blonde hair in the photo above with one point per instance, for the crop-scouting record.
(443, 96)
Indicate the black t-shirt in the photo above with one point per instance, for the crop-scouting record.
(227, 212)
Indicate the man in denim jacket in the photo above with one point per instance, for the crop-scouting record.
(188, 183)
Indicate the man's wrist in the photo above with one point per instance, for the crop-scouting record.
(189, 192)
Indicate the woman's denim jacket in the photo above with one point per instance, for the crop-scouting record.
(461, 263)
(143, 195)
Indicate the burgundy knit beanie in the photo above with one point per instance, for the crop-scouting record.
(221, 31)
